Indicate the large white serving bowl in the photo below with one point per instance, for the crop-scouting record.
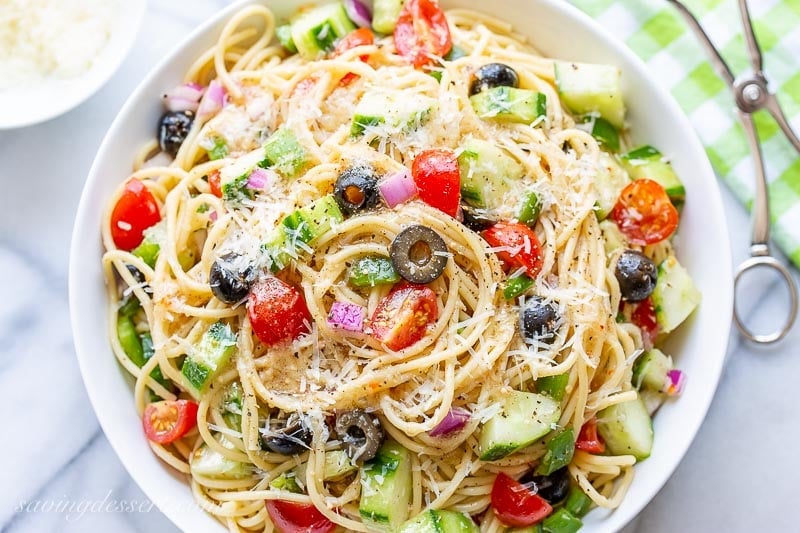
(558, 30)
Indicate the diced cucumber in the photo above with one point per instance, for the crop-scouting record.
(219, 150)
(553, 386)
(383, 112)
(650, 370)
(149, 351)
(311, 222)
(675, 296)
(233, 176)
(627, 429)
(613, 239)
(208, 357)
(603, 131)
(559, 453)
(286, 481)
(561, 521)
(524, 418)
(647, 162)
(148, 249)
(284, 153)
(386, 488)
(337, 466)
(487, 172)
(652, 400)
(530, 208)
(516, 286)
(371, 271)
(587, 88)
(385, 14)
(232, 406)
(284, 35)
(577, 503)
(609, 182)
(508, 104)
(315, 31)
(210, 463)
(435, 521)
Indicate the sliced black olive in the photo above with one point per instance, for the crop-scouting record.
(136, 273)
(418, 254)
(477, 219)
(539, 320)
(356, 190)
(288, 436)
(231, 277)
(361, 433)
(636, 274)
(493, 75)
(173, 128)
(553, 488)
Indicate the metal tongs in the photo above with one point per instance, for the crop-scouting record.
(752, 94)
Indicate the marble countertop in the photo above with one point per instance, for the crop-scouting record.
(62, 475)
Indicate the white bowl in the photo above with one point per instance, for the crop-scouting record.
(558, 30)
(32, 104)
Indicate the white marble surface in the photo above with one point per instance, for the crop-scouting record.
(60, 473)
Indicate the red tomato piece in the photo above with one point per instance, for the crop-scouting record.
(515, 504)
(135, 211)
(359, 37)
(588, 439)
(277, 311)
(644, 316)
(166, 421)
(214, 183)
(422, 33)
(438, 180)
(644, 212)
(524, 247)
(402, 317)
(291, 517)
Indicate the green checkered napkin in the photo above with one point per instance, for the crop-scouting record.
(654, 30)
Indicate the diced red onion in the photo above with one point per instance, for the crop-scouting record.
(213, 216)
(455, 420)
(359, 12)
(398, 188)
(213, 101)
(347, 316)
(258, 179)
(675, 382)
(184, 97)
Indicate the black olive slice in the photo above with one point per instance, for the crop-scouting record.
(637, 275)
(493, 75)
(477, 219)
(231, 277)
(418, 254)
(288, 436)
(173, 128)
(553, 488)
(361, 433)
(356, 190)
(539, 320)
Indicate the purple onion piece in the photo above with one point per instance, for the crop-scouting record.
(258, 179)
(455, 420)
(359, 12)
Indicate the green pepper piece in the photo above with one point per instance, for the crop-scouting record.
(578, 503)
(559, 453)
(129, 340)
(129, 306)
(219, 150)
(516, 286)
(605, 133)
(286, 482)
(149, 351)
(373, 270)
(147, 252)
(561, 521)
(553, 386)
(530, 209)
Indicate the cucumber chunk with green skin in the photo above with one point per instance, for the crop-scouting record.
(523, 419)
(386, 488)
(508, 104)
(284, 153)
(487, 173)
(371, 271)
(627, 429)
(284, 35)
(652, 400)
(309, 223)
(337, 466)
(647, 162)
(650, 370)
(559, 453)
(210, 463)
(385, 14)
(577, 503)
(208, 357)
(315, 31)
(516, 286)
(604, 132)
(611, 178)
(561, 521)
(585, 88)
(383, 112)
(130, 341)
(149, 351)
(286, 481)
(150, 246)
(233, 176)
(675, 296)
(435, 521)
(553, 386)
(613, 237)
(530, 209)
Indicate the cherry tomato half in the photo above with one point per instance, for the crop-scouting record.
(214, 183)
(644, 316)
(402, 317)
(525, 249)
(277, 311)
(515, 504)
(166, 421)
(291, 517)
(422, 33)
(438, 180)
(588, 439)
(644, 212)
(135, 211)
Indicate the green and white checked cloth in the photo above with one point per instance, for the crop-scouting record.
(654, 30)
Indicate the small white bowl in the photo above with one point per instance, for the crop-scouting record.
(558, 30)
(52, 97)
